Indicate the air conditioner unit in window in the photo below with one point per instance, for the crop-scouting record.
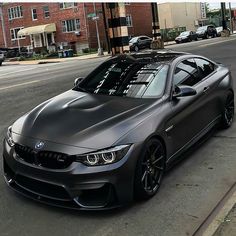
(77, 33)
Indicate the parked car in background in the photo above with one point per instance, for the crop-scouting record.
(186, 36)
(2, 57)
(206, 31)
(219, 30)
(111, 138)
(140, 42)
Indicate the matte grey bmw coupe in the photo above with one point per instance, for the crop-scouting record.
(110, 138)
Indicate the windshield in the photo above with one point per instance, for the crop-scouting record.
(186, 33)
(202, 28)
(133, 40)
(126, 79)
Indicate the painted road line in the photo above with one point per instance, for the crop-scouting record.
(18, 85)
(218, 42)
(17, 71)
(217, 216)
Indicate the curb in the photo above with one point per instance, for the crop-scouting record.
(217, 216)
(35, 62)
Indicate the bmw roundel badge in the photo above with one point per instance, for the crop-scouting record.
(39, 145)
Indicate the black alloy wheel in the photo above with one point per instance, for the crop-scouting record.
(150, 169)
(228, 113)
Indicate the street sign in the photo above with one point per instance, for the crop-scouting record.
(91, 15)
(95, 18)
(203, 10)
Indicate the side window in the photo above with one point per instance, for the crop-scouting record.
(205, 67)
(143, 38)
(186, 73)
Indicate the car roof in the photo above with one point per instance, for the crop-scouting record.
(151, 56)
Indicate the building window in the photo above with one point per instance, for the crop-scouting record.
(127, 3)
(15, 12)
(14, 33)
(46, 12)
(129, 21)
(34, 14)
(65, 5)
(70, 25)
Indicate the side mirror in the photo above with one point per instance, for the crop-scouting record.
(184, 91)
(78, 80)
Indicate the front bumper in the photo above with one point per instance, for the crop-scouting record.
(76, 187)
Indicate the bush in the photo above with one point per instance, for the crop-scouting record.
(85, 50)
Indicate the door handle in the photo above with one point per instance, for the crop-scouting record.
(206, 89)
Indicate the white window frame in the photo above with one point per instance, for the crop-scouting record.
(15, 12)
(46, 12)
(129, 20)
(65, 25)
(33, 14)
(13, 32)
(65, 5)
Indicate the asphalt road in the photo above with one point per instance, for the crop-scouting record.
(189, 192)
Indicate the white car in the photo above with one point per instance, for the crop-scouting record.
(219, 30)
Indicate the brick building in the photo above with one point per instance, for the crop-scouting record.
(51, 26)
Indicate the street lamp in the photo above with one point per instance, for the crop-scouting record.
(96, 18)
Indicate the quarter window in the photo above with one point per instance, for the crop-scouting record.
(70, 25)
(205, 67)
(186, 73)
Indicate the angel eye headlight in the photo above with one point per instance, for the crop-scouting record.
(104, 157)
(9, 137)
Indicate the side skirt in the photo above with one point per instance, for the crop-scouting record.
(193, 141)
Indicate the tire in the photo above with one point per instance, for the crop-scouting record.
(228, 113)
(136, 48)
(149, 170)
(0, 63)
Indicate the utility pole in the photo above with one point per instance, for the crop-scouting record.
(223, 15)
(3, 25)
(106, 28)
(230, 18)
(157, 39)
(100, 51)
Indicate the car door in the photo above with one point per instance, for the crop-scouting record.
(189, 114)
(144, 42)
(209, 82)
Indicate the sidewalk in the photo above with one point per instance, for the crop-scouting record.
(56, 60)
(222, 220)
(228, 226)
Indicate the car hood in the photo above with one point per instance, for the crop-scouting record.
(82, 119)
(181, 37)
(200, 31)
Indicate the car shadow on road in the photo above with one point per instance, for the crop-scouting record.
(106, 214)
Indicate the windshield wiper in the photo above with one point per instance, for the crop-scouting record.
(81, 89)
(141, 83)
